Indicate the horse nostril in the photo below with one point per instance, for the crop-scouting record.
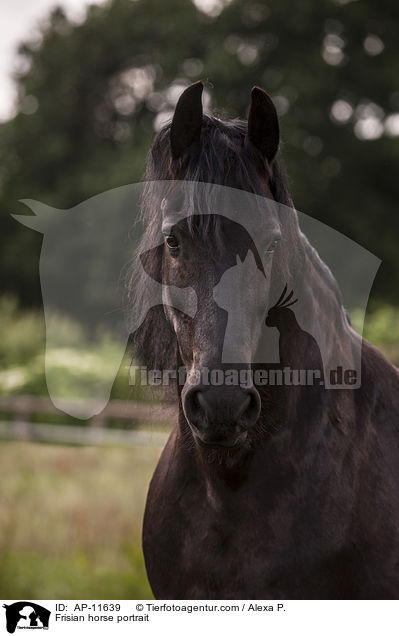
(252, 411)
(191, 406)
(204, 406)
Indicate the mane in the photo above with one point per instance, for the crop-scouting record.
(323, 269)
(221, 158)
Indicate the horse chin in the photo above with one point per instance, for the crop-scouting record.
(229, 445)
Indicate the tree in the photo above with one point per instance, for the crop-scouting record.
(90, 95)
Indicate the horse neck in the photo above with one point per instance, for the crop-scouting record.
(312, 333)
(319, 310)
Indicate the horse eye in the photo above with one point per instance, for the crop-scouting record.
(273, 245)
(172, 243)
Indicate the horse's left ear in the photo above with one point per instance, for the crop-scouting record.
(263, 126)
(187, 120)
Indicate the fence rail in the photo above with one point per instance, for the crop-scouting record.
(95, 432)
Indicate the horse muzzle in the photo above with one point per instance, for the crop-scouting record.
(221, 417)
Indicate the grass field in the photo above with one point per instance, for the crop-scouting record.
(70, 521)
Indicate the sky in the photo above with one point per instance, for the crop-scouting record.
(18, 22)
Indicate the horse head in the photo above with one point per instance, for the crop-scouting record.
(215, 244)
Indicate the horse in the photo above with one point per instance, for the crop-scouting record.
(262, 491)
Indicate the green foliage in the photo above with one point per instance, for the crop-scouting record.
(22, 333)
(22, 349)
(381, 328)
(89, 95)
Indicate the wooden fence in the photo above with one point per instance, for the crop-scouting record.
(98, 430)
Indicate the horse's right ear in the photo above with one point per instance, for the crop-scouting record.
(187, 120)
(263, 126)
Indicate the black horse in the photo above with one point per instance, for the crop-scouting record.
(261, 491)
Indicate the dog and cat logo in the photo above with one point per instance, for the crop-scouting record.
(26, 615)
